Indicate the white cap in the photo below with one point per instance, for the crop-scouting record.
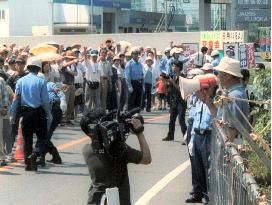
(34, 61)
(214, 53)
(167, 50)
(195, 71)
(175, 50)
(207, 66)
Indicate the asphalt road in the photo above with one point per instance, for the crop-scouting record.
(167, 181)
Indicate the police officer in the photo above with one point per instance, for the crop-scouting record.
(201, 140)
(58, 107)
(134, 78)
(178, 105)
(31, 97)
(191, 107)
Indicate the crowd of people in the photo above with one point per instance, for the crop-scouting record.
(41, 93)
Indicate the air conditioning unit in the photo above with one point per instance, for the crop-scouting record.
(73, 30)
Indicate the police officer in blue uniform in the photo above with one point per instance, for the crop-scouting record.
(191, 107)
(134, 78)
(201, 139)
(31, 98)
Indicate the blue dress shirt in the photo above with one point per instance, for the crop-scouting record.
(133, 71)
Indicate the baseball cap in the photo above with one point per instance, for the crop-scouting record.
(94, 52)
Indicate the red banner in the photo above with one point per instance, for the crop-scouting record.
(250, 55)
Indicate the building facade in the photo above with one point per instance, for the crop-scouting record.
(27, 17)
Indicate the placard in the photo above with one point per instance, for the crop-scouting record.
(190, 48)
(234, 49)
(250, 56)
(243, 55)
(265, 42)
(216, 39)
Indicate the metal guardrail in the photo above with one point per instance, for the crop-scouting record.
(230, 183)
(229, 180)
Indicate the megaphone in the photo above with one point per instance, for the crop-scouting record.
(188, 86)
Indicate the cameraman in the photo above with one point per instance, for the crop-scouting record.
(106, 171)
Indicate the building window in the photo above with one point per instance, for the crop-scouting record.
(2, 15)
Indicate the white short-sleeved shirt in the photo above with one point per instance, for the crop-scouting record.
(93, 71)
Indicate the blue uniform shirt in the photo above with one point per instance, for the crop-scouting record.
(192, 106)
(236, 91)
(53, 95)
(33, 93)
(170, 61)
(203, 117)
(163, 62)
(133, 71)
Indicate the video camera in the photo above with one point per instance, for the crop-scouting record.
(109, 131)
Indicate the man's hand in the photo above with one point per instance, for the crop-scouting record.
(136, 123)
(130, 90)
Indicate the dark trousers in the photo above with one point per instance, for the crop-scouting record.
(177, 109)
(123, 94)
(57, 116)
(34, 121)
(146, 99)
(135, 98)
(201, 161)
(195, 182)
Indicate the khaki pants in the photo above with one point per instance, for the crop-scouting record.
(69, 91)
(104, 92)
(2, 146)
(92, 97)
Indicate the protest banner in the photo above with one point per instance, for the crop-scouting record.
(190, 48)
(250, 55)
(243, 55)
(234, 49)
(216, 39)
(265, 42)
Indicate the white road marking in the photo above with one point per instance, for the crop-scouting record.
(148, 195)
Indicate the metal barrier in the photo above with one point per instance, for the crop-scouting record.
(229, 181)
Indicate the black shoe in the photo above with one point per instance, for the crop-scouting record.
(56, 159)
(192, 193)
(41, 160)
(183, 143)
(148, 110)
(167, 138)
(194, 199)
(31, 163)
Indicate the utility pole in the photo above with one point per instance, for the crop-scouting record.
(92, 15)
(165, 12)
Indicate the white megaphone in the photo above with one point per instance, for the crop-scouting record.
(188, 86)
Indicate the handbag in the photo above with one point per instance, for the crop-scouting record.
(93, 85)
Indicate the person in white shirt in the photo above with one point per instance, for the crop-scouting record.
(79, 86)
(93, 74)
(200, 58)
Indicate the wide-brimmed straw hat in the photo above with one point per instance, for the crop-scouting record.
(230, 66)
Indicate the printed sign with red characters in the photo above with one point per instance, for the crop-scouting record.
(250, 56)
(216, 39)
